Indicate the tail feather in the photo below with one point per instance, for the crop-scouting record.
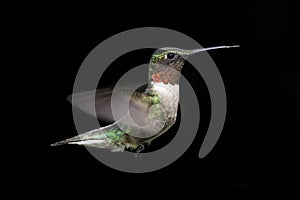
(96, 134)
(95, 138)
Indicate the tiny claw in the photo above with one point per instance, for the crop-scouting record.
(140, 148)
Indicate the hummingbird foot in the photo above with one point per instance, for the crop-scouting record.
(140, 148)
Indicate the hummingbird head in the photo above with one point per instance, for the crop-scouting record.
(166, 63)
(169, 57)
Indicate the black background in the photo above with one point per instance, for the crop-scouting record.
(261, 80)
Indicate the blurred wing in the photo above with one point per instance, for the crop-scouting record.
(138, 103)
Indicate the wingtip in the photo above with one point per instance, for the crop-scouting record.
(69, 98)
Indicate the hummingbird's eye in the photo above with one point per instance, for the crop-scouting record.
(170, 56)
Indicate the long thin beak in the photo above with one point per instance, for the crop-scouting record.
(210, 48)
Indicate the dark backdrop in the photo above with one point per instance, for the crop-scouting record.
(261, 80)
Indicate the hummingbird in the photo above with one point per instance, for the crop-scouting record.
(151, 111)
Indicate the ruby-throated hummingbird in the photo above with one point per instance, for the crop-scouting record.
(151, 112)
